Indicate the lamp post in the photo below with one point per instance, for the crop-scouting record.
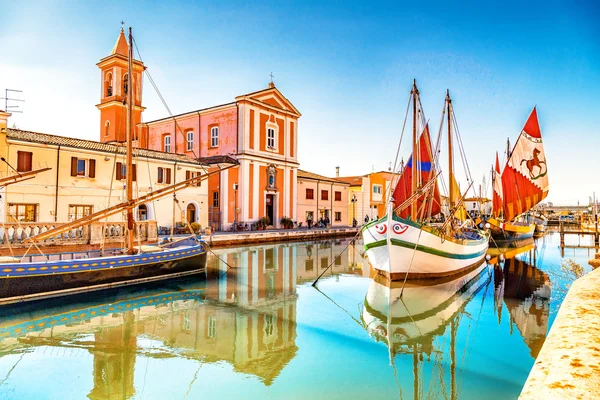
(235, 188)
(354, 200)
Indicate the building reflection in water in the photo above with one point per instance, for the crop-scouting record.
(410, 323)
(525, 290)
(243, 313)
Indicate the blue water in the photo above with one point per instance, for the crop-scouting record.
(254, 327)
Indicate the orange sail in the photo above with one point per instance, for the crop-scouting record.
(525, 176)
(426, 172)
(497, 186)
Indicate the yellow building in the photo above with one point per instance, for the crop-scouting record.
(86, 176)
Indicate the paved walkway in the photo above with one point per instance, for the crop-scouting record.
(568, 366)
(277, 235)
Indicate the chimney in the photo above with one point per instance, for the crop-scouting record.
(4, 120)
(337, 172)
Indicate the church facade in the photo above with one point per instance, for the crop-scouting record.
(257, 132)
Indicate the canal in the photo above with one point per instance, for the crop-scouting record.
(254, 327)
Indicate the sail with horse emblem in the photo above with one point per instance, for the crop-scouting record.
(524, 184)
(406, 243)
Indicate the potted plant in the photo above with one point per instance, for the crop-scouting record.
(286, 222)
(196, 227)
(265, 221)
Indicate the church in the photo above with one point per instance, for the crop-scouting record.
(257, 133)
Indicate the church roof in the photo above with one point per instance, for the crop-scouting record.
(309, 175)
(121, 47)
(54, 140)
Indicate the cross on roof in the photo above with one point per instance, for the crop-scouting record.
(271, 77)
(122, 24)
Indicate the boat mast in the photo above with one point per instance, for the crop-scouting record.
(413, 206)
(129, 170)
(450, 154)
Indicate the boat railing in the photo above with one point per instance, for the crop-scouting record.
(15, 233)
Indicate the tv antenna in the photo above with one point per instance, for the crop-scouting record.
(11, 107)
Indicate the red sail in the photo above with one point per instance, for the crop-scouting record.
(497, 187)
(403, 189)
(525, 177)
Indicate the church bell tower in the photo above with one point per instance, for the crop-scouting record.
(115, 84)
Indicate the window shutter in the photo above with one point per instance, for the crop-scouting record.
(28, 161)
(168, 176)
(188, 175)
(119, 169)
(134, 172)
(92, 172)
(73, 166)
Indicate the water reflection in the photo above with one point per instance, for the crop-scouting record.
(254, 321)
(409, 320)
(525, 290)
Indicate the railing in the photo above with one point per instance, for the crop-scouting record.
(14, 233)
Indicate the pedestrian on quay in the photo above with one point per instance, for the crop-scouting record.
(309, 221)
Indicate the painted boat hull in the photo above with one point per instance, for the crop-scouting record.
(417, 252)
(425, 310)
(502, 232)
(36, 280)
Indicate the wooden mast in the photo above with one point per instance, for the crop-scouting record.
(129, 170)
(413, 206)
(451, 189)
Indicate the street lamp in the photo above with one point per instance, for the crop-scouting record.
(235, 188)
(354, 200)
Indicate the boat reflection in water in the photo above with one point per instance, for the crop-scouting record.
(524, 289)
(409, 323)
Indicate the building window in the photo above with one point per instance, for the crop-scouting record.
(24, 161)
(338, 215)
(324, 195)
(121, 172)
(338, 196)
(142, 212)
(212, 327)
(377, 189)
(193, 174)
(310, 194)
(216, 199)
(18, 212)
(270, 138)
(308, 265)
(82, 168)
(107, 128)
(167, 143)
(214, 136)
(78, 211)
(190, 141)
(338, 260)
(324, 262)
(108, 85)
(164, 175)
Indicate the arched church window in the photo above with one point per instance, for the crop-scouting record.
(125, 83)
(108, 85)
(107, 128)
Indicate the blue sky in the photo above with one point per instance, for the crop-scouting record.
(347, 66)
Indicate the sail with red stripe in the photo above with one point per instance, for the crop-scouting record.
(497, 186)
(525, 176)
(403, 190)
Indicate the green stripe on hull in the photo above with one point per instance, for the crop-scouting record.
(425, 249)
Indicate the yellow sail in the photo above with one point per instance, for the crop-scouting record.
(461, 212)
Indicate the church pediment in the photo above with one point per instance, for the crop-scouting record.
(273, 97)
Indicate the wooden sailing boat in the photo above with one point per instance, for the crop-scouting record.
(404, 244)
(38, 276)
(524, 183)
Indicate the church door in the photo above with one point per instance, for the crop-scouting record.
(269, 210)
